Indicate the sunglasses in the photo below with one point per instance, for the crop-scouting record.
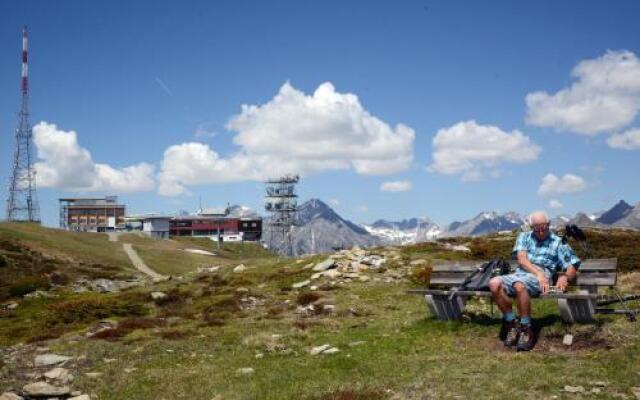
(540, 227)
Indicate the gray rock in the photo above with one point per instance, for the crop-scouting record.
(81, 397)
(10, 396)
(573, 389)
(12, 306)
(331, 350)
(567, 340)
(245, 371)
(418, 262)
(319, 349)
(158, 295)
(43, 389)
(302, 284)
(60, 374)
(44, 360)
(325, 265)
(240, 268)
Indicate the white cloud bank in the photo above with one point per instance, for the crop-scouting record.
(629, 140)
(604, 97)
(396, 186)
(569, 183)
(67, 166)
(293, 133)
(468, 148)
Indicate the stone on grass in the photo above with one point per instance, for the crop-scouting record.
(567, 340)
(332, 273)
(636, 392)
(12, 306)
(302, 284)
(44, 360)
(93, 374)
(325, 265)
(43, 389)
(240, 268)
(10, 396)
(573, 389)
(332, 350)
(158, 295)
(418, 262)
(319, 349)
(60, 374)
(81, 397)
(245, 371)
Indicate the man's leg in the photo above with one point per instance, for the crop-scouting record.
(500, 296)
(510, 326)
(523, 301)
(526, 339)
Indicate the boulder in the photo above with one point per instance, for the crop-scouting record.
(325, 265)
(158, 295)
(60, 374)
(44, 360)
(319, 349)
(81, 397)
(302, 284)
(10, 396)
(240, 268)
(43, 389)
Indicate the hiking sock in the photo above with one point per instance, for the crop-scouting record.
(525, 320)
(509, 316)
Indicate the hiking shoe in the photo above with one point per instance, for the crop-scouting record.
(512, 330)
(527, 339)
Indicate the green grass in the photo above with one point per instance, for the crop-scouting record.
(191, 345)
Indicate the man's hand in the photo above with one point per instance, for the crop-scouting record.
(562, 283)
(544, 282)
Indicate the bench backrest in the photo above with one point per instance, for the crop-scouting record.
(592, 272)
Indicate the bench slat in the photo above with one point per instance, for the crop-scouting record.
(461, 266)
(599, 264)
(597, 278)
(468, 293)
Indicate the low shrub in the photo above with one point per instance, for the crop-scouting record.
(305, 298)
(91, 309)
(28, 284)
(421, 276)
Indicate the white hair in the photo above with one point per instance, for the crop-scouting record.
(537, 214)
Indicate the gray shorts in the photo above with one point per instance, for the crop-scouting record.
(528, 279)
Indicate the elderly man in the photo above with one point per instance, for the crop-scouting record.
(540, 253)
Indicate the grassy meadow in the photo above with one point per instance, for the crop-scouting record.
(200, 341)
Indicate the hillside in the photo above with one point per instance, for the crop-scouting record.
(216, 330)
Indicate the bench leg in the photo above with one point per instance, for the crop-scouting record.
(577, 310)
(443, 308)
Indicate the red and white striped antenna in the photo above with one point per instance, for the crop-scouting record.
(25, 63)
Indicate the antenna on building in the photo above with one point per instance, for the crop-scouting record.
(281, 202)
(22, 204)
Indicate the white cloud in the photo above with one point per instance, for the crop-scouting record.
(604, 97)
(396, 186)
(555, 204)
(65, 165)
(294, 133)
(629, 140)
(569, 183)
(469, 149)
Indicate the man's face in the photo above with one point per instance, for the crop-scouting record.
(540, 229)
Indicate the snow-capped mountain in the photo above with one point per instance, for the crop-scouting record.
(408, 231)
(319, 229)
(485, 223)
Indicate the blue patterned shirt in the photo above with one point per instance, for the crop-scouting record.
(550, 253)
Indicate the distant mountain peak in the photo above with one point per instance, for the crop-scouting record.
(615, 213)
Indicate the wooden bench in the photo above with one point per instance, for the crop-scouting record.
(576, 305)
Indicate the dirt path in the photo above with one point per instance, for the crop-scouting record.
(138, 263)
(113, 237)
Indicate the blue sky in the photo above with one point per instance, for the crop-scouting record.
(135, 79)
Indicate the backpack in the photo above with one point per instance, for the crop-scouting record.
(479, 280)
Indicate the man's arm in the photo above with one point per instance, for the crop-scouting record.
(523, 260)
(568, 276)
